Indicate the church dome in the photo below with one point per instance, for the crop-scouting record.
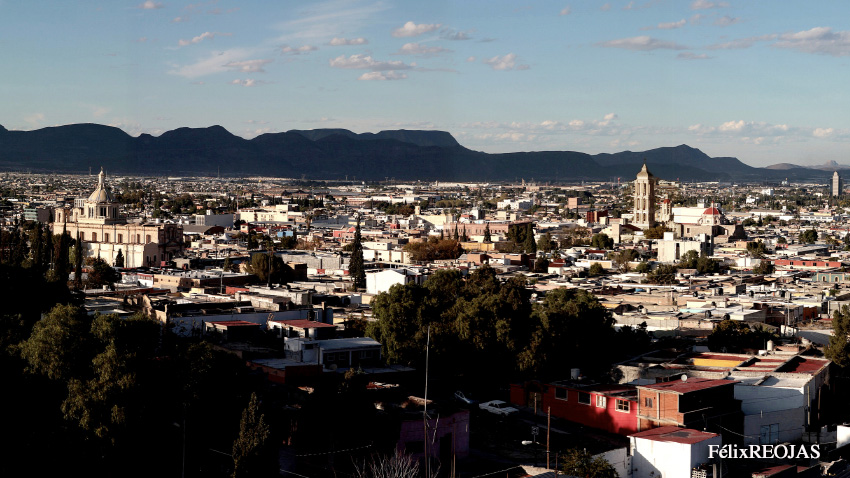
(644, 173)
(101, 194)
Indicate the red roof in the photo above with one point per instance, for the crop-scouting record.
(304, 324)
(675, 434)
(711, 211)
(689, 385)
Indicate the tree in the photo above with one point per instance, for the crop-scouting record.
(59, 346)
(808, 237)
(582, 463)
(530, 245)
(601, 241)
(664, 274)
(61, 255)
(277, 273)
(838, 349)
(656, 232)
(642, 268)
(765, 267)
(595, 270)
(756, 249)
(78, 263)
(119, 259)
(546, 243)
(397, 465)
(253, 451)
(356, 266)
(622, 259)
(487, 237)
(689, 260)
(541, 265)
(101, 274)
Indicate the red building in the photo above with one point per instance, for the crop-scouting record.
(612, 408)
(698, 403)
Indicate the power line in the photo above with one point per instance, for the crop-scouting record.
(335, 451)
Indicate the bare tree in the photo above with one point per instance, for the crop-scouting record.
(398, 465)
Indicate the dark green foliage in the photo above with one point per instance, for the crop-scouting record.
(702, 263)
(642, 267)
(253, 453)
(279, 273)
(595, 270)
(737, 336)
(541, 265)
(838, 349)
(487, 237)
(530, 245)
(601, 241)
(663, 274)
(356, 265)
(484, 331)
(119, 258)
(78, 263)
(765, 267)
(656, 232)
(434, 249)
(101, 274)
(808, 237)
(756, 249)
(547, 243)
(582, 463)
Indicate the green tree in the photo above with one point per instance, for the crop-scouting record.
(253, 451)
(61, 254)
(764, 267)
(642, 268)
(530, 245)
(656, 232)
(621, 260)
(581, 463)
(101, 274)
(808, 237)
(689, 260)
(487, 237)
(59, 345)
(601, 241)
(356, 265)
(756, 249)
(546, 243)
(664, 274)
(277, 273)
(541, 265)
(79, 250)
(595, 270)
(838, 349)
(119, 259)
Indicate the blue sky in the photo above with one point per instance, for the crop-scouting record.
(763, 81)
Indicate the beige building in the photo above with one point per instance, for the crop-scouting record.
(644, 207)
(104, 233)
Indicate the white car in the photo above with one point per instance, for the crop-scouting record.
(498, 407)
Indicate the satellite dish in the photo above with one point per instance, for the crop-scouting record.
(684, 378)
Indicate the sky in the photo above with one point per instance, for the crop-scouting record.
(763, 81)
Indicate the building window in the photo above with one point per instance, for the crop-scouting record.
(120, 238)
(102, 212)
(147, 238)
(584, 398)
(647, 402)
(769, 434)
(560, 393)
(106, 238)
(94, 237)
(601, 401)
(138, 238)
(623, 405)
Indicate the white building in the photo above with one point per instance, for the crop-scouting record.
(670, 451)
(377, 282)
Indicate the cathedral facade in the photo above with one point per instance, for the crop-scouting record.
(104, 232)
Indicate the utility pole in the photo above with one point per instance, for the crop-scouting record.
(548, 426)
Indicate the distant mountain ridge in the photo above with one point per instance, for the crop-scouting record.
(340, 153)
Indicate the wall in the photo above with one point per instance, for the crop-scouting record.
(668, 459)
(608, 418)
(448, 432)
(620, 459)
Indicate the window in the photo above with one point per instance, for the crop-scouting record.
(94, 237)
(601, 401)
(138, 238)
(560, 393)
(769, 434)
(120, 238)
(623, 405)
(147, 238)
(584, 398)
(106, 238)
(647, 402)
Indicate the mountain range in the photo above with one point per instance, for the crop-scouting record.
(341, 154)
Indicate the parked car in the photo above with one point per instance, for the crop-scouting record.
(462, 398)
(498, 407)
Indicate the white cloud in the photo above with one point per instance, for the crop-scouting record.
(249, 82)
(671, 25)
(696, 18)
(504, 63)
(248, 66)
(419, 49)
(348, 41)
(820, 40)
(455, 35)
(693, 56)
(565, 11)
(150, 5)
(202, 37)
(141, 39)
(34, 118)
(180, 19)
(382, 76)
(629, 6)
(470, 59)
(366, 62)
(610, 116)
(286, 49)
(642, 43)
(742, 42)
(706, 5)
(605, 7)
(823, 132)
(411, 29)
(726, 20)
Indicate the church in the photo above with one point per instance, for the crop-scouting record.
(104, 232)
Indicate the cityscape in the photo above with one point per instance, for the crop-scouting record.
(372, 239)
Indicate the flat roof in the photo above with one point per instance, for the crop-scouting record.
(302, 323)
(675, 434)
(350, 343)
(800, 364)
(233, 323)
(689, 385)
